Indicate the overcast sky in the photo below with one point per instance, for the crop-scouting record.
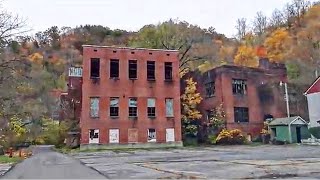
(133, 14)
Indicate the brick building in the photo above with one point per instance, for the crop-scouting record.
(130, 97)
(248, 95)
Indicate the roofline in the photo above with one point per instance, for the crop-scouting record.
(306, 92)
(298, 118)
(132, 48)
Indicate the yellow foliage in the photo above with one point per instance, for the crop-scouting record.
(246, 56)
(190, 99)
(277, 45)
(36, 58)
(233, 136)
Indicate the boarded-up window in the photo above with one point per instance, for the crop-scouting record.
(114, 106)
(114, 135)
(93, 136)
(152, 136)
(170, 135)
(132, 135)
(94, 107)
(169, 107)
(151, 107)
(133, 111)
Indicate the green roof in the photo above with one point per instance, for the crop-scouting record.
(285, 121)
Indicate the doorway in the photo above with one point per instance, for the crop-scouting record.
(298, 131)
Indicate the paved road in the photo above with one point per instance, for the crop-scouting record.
(47, 164)
(219, 162)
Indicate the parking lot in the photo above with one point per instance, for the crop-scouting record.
(230, 162)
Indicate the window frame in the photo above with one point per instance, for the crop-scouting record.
(97, 108)
(151, 110)
(114, 108)
(130, 68)
(97, 74)
(172, 109)
(168, 71)
(210, 86)
(133, 110)
(114, 75)
(241, 115)
(239, 83)
(154, 139)
(152, 70)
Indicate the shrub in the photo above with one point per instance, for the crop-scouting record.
(212, 139)
(233, 136)
(315, 131)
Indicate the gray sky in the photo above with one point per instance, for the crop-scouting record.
(133, 14)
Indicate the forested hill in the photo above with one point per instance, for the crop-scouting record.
(30, 67)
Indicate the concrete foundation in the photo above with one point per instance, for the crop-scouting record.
(127, 146)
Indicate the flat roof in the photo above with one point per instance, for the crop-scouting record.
(131, 48)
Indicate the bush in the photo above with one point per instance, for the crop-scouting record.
(212, 139)
(233, 136)
(315, 131)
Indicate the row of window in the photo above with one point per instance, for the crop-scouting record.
(239, 86)
(132, 69)
(114, 135)
(132, 107)
(241, 114)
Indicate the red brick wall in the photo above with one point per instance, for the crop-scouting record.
(125, 88)
(223, 95)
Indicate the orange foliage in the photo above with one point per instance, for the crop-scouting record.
(246, 56)
(277, 45)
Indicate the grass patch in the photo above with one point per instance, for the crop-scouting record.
(7, 159)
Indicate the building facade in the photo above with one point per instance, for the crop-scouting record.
(248, 96)
(130, 97)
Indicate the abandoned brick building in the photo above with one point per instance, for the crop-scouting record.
(248, 95)
(130, 97)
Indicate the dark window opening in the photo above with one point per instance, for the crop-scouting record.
(210, 89)
(95, 50)
(95, 68)
(239, 86)
(133, 110)
(150, 53)
(114, 107)
(168, 54)
(114, 68)
(132, 69)
(151, 69)
(132, 52)
(168, 70)
(114, 51)
(210, 114)
(93, 134)
(241, 114)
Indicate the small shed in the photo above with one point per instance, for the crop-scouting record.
(291, 129)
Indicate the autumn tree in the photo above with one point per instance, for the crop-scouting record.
(242, 28)
(246, 56)
(277, 45)
(190, 99)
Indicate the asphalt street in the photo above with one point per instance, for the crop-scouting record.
(47, 164)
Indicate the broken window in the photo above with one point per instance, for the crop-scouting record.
(151, 107)
(241, 114)
(94, 107)
(133, 134)
(210, 89)
(114, 107)
(239, 86)
(152, 135)
(169, 107)
(133, 110)
(151, 69)
(114, 68)
(168, 70)
(113, 135)
(210, 114)
(93, 136)
(95, 68)
(133, 69)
